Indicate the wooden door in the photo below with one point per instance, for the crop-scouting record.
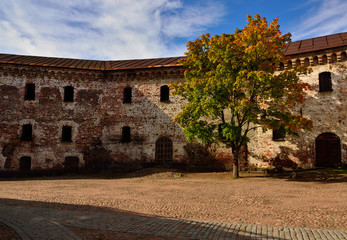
(328, 150)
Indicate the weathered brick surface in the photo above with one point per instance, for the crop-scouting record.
(98, 114)
(327, 110)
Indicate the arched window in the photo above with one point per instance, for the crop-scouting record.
(127, 95)
(315, 61)
(297, 63)
(324, 59)
(333, 58)
(164, 93)
(343, 56)
(325, 84)
(281, 66)
(289, 64)
(126, 137)
(307, 62)
(163, 150)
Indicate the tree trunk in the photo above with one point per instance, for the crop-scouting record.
(236, 163)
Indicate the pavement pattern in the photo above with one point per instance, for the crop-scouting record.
(45, 223)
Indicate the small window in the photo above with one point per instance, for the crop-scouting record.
(325, 84)
(27, 132)
(315, 61)
(66, 134)
(297, 63)
(306, 62)
(25, 163)
(127, 95)
(68, 94)
(164, 93)
(324, 59)
(281, 66)
(278, 134)
(126, 134)
(29, 91)
(289, 64)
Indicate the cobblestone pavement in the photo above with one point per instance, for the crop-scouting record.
(44, 223)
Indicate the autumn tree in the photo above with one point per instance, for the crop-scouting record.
(232, 87)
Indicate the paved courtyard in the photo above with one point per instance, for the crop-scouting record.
(167, 205)
(44, 223)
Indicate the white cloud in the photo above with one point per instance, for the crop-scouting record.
(329, 17)
(107, 29)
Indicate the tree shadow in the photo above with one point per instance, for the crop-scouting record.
(117, 220)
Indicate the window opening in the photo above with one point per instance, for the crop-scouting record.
(289, 65)
(324, 59)
(278, 134)
(164, 93)
(163, 151)
(325, 84)
(126, 134)
(297, 63)
(68, 94)
(66, 134)
(27, 132)
(127, 95)
(29, 91)
(25, 163)
(71, 164)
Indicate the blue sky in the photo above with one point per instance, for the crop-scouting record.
(132, 29)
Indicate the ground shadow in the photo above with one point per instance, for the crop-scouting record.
(116, 220)
(322, 175)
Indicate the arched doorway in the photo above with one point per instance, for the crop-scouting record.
(163, 151)
(328, 150)
(71, 164)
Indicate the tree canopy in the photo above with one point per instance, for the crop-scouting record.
(232, 86)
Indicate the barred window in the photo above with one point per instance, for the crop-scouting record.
(325, 84)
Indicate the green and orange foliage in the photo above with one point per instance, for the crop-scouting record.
(232, 86)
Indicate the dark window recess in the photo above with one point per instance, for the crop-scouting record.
(164, 93)
(325, 84)
(27, 132)
(278, 134)
(29, 91)
(71, 164)
(127, 95)
(68, 94)
(25, 163)
(66, 134)
(126, 134)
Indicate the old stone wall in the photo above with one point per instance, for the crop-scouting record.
(96, 116)
(327, 110)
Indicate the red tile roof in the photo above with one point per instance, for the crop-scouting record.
(318, 43)
(303, 46)
(89, 64)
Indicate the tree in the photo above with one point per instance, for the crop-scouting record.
(232, 87)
